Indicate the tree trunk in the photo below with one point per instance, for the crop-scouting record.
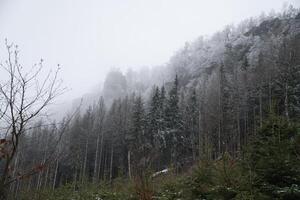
(270, 95)
(46, 177)
(193, 141)
(85, 160)
(111, 163)
(12, 186)
(286, 103)
(96, 160)
(105, 173)
(75, 178)
(129, 164)
(254, 121)
(55, 175)
(199, 135)
(238, 131)
(17, 189)
(260, 109)
(39, 180)
(100, 158)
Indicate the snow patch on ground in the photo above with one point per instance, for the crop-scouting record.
(160, 172)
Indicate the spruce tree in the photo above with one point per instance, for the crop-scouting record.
(162, 114)
(174, 123)
(287, 84)
(172, 109)
(154, 118)
(274, 159)
(140, 141)
(192, 121)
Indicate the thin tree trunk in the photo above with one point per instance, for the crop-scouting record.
(221, 138)
(129, 164)
(55, 175)
(260, 109)
(95, 177)
(105, 176)
(30, 179)
(270, 96)
(85, 159)
(199, 135)
(75, 178)
(12, 186)
(29, 183)
(245, 128)
(100, 158)
(254, 121)
(44, 160)
(39, 180)
(17, 189)
(111, 163)
(193, 141)
(238, 131)
(46, 177)
(81, 171)
(286, 103)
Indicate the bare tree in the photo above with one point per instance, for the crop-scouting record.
(24, 95)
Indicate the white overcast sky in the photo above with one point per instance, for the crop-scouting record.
(88, 37)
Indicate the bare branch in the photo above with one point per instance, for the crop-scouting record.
(23, 96)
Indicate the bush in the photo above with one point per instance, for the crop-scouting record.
(273, 157)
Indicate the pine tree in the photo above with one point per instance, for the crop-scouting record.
(174, 124)
(154, 118)
(192, 121)
(162, 116)
(287, 84)
(172, 109)
(140, 144)
(274, 159)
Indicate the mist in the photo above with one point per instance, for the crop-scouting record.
(88, 38)
(160, 99)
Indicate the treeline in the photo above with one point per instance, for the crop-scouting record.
(210, 108)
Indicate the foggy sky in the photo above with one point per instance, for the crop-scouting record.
(88, 37)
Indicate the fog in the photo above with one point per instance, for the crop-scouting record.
(88, 38)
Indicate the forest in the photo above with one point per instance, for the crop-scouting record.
(220, 120)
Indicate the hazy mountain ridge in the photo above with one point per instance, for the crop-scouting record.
(198, 61)
(202, 55)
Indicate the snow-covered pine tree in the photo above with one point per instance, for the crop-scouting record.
(192, 121)
(153, 118)
(140, 140)
(287, 84)
(174, 124)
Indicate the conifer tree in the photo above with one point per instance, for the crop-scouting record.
(274, 159)
(174, 123)
(154, 118)
(192, 121)
(287, 84)
(162, 116)
(140, 141)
